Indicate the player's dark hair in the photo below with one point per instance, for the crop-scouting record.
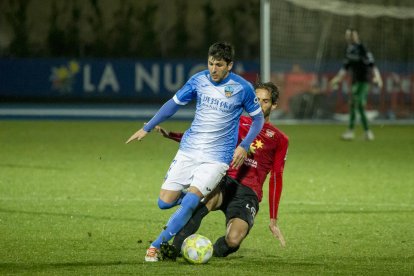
(271, 87)
(222, 51)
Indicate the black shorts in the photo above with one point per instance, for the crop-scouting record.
(239, 201)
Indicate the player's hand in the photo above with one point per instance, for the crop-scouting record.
(139, 135)
(276, 232)
(162, 131)
(239, 156)
(378, 82)
(334, 83)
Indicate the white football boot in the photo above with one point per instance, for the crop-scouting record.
(152, 255)
(348, 135)
(369, 136)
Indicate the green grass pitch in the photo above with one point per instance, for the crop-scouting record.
(74, 199)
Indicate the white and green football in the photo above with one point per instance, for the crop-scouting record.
(197, 249)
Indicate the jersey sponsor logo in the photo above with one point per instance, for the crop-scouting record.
(228, 91)
(250, 162)
(216, 104)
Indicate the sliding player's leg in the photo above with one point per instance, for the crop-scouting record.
(240, 206)
(237, 230)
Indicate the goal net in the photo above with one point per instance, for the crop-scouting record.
(307, 48)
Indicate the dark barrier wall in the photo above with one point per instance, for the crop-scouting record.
(66, 79)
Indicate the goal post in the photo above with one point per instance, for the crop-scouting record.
(265, 40)
(302, 46)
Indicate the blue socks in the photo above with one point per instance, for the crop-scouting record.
(178, 219)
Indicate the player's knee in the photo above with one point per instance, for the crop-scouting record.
(233, 242)
(165, 205)
(195, 190)
(234, 239)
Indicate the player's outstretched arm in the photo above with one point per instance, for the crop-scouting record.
(340, 75)
(276, 232)
(139, 135)
(338, 78)
(165, 112)
(162, 131)
(176, 136)
(377, 80)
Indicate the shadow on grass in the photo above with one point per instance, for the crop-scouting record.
(72, 215)
(317, 262)
(42, 266)
(260, 261)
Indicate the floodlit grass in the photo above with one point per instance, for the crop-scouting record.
(74, 199)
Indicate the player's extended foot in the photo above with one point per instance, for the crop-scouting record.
(348, 135)
(168, 251)
(369, 136)
(152, 255)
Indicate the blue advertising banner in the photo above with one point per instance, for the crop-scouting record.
(99, 78)
(155, 81)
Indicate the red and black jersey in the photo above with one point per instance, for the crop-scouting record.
(267, 154)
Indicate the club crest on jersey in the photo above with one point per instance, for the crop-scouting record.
(228, 91)
(270, 133)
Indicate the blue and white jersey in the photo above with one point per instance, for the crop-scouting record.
(213, 132)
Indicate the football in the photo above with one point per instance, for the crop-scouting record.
(197, 249)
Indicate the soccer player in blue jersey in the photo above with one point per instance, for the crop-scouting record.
(208, 147)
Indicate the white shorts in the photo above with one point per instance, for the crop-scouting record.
(186, 171)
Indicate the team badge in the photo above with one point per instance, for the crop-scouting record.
(270, 133)
(228, 91)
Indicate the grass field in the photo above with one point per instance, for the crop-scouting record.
(74, 199)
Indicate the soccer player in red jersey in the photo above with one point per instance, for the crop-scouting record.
(241, 190)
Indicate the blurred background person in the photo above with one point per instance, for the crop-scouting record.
(360, 62)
